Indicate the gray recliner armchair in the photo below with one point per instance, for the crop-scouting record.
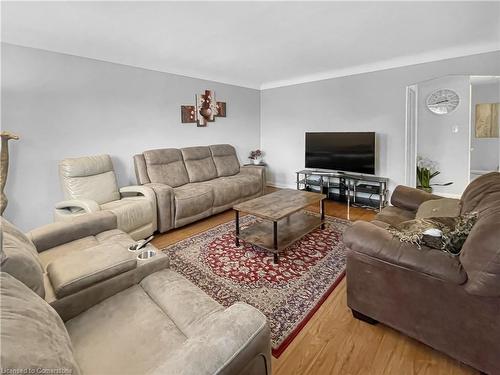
(89, 185)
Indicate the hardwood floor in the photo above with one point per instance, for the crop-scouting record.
(333, 342)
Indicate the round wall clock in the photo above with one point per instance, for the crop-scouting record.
(443, 101)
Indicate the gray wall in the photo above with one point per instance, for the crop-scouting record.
(445, 138)
(66, 106)
(485, 154)
(364, 102)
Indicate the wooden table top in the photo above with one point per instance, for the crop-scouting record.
(280, 204)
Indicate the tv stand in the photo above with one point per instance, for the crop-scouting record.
(367, 191)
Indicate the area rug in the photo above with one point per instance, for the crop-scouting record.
(288, 293)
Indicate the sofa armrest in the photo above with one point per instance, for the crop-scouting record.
(146, 192)
(134, 190)
(228, 341)
(257, 170)
(65, 210)
(55, 234)
(370, 240)
(164, 205)
(409, 198)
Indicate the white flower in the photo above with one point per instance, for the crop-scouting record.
(426, 163)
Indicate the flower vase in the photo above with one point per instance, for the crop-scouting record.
(257, 161)
(426, 189)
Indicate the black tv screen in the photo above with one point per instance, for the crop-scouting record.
(346, 151)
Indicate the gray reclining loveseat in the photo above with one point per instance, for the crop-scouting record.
(195, 182)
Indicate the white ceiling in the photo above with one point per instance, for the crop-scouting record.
(257, 44)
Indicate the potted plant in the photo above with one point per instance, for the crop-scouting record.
(426, 170)
(256, 156)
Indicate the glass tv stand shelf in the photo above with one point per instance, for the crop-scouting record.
(365, 191)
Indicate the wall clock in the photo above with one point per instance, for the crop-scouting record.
(443, 101)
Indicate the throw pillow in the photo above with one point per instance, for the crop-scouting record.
(454, 232)
(445, 207)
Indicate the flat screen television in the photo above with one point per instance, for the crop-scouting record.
(341, 151)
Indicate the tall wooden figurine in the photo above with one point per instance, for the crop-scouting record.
(4, 166)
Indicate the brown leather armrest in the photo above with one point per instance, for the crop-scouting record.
(371, 240)
(409, 198)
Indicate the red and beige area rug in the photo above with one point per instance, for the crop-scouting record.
(288, 293)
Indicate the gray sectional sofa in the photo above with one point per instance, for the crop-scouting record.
(74, 300)
(195, 182)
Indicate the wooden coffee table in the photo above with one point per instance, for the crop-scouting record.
(284, 222)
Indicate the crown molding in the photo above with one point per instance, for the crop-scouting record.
(399, 62)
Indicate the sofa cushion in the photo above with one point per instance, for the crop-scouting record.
(127, 333)
(249, 184)
(19, 258)
(376, 242)
(33, 336)
(192, 199)
(446, 207)
(191, 306)
(79, 270)
(225, 191)
(131, 213)
(225, 160)
(394, 215)
(90, 177)
(199, 163)
(453, 231)
(166, 166)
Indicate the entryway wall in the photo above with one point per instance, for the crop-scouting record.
(444, 138)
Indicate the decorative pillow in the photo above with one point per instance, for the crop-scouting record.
(445, 207)
(453, 230)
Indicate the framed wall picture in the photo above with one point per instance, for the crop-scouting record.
(487, 120)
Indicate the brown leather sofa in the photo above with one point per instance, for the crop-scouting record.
(451, 303)
(195, 182)
(143, 319)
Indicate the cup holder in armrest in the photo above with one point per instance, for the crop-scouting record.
(147, 254)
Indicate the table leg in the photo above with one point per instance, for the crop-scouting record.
(381, 196)
(322, 213)
(237, 222)
(348, 201)
(275, 241)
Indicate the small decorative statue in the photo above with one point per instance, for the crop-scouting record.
(4, 166)
(256, 156)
